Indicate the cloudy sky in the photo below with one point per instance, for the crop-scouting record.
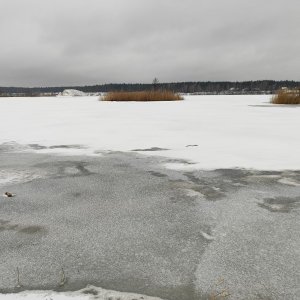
(76, 42)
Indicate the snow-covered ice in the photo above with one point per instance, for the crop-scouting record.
(225, 131)
(88, 293)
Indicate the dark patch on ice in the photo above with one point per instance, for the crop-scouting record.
(67, 147)
(110, 152)
(157, 174)
(150, 149)
(3, 222)
(76, 195)
(191, 146)
(41, 147)
(180, 161)
(68, 168)
(11, 147)
(193, 178)
(81, 167)
(15, 147)
(98, 152)
(8, 227)
(280, 204)
(37, 146)
(174, 199)
(234, 173)
(209, 193)
(268, 173)
(31, 229)
(242, 174)
(90, 291)
(212, 189)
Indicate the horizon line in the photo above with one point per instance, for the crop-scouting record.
(139, 83)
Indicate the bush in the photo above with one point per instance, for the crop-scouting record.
(142, 96)
(287, 97)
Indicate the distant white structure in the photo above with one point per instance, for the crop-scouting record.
(71, 93)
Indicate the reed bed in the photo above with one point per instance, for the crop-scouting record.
(143, 96)
(287, 97)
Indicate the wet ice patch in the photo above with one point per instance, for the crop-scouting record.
(261, 178)
(74, 169)
(157, 174)
(179, 164)
(67, 147)
(280, 204)
(289, 181)
(16, 176)
(19, 228)
(150, 149)
(43, 147)
(64, 150)
(12, 147)
(206, 187)
(193, 193)
(37, 146)
(88, 293)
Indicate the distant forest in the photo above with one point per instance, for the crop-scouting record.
(224, 87)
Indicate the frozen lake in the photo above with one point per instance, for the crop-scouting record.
(179, 201)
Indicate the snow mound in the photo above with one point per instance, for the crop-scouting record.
(71, 93)
(88, 293)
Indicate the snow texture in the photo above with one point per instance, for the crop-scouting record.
(224, 131)
(88, 293)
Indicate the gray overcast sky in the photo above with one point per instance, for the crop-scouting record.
(70, 42)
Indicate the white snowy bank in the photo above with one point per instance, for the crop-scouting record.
(212, 131)
(88, 293)
(71, 93)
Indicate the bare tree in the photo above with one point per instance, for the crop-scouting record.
(155, 83)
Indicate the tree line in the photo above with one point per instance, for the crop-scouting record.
(209, 87)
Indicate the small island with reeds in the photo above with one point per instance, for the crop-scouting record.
(287, 96)
(142, 96)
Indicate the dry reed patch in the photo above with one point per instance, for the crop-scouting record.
(143, 96)
(287, 97)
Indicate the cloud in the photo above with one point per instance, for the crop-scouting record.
(71, 42)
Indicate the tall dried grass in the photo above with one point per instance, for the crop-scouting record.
(287, 97)
(144, 96)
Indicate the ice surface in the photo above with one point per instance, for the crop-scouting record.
(204, 132)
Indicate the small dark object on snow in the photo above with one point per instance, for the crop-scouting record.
(8, 194)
